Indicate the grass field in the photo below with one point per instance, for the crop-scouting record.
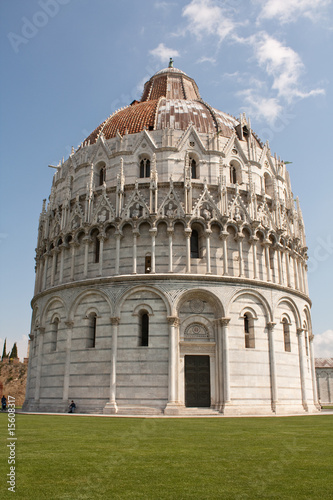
(74, 457)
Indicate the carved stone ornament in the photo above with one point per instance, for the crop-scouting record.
(196, 330)
(197, 306)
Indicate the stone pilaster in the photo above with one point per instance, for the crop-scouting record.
(111, 407)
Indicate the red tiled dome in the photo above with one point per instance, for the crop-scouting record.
(170, 99)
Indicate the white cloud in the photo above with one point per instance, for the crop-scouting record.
(164, 5)
(290, 10)
(260, 107)
(206, 18)
(203, 59)
(283, 64)
(323, 344)
(163, 53)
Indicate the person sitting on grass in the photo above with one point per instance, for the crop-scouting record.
(72, 407)
(3, 403)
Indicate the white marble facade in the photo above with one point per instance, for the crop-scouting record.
(171, 238)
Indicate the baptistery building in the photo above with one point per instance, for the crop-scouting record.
(171, 269)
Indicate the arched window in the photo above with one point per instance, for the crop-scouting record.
(249, 331)
(268, 184)
(102, 176)
(54, 334)
(144, 168)
(194, 172)
(144, 329)
(233, 174)
(194, 244)
(92, 330)
(286, 335)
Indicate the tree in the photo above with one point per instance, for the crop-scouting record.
(13, 354)
(4, 353)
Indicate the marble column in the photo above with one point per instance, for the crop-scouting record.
(254, 240)
(40, 338)
(239, 238)
(111, 407)
(272, 365)
(135, 236)
(266, 244)
(208, 232)
(73, 245)
(224, 236)
(300, 338)
(287, 257)
(62, 256)
(313, 373)
(173, 398)
(65, 393)
(118, 237)
(46, 263)
(54, 261)
(225, 361)
(278, 253)
(101, 238)
(153, 233)
(296, 272)
(188, 233)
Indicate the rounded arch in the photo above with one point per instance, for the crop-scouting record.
(179, 220)
(255, 294)
(285, 318)
(232, 225)
(143, 307)
(246, 228)
(142, 288)
(145, 221)
(248, 310)
(292, 306)
(53, 300)
(236, 168)
(127, 223)
(268, 184)
(82, 295)
(93, 230)
(307, 316)
(198, 293)
(79, 235)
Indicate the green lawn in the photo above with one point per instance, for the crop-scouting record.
(73, 457)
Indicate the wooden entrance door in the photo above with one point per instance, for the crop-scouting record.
(197, 381)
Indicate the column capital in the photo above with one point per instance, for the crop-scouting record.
(153, 231)
(173, 320)
(69, 324)
(225, 321)
(188, 232)
(253, 240)
(239, 236)
(299, 331)
(224, 235)
(170, 231)
(270, 325)
(266, 243)
(115, 320)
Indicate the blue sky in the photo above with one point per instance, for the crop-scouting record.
(67, 64)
